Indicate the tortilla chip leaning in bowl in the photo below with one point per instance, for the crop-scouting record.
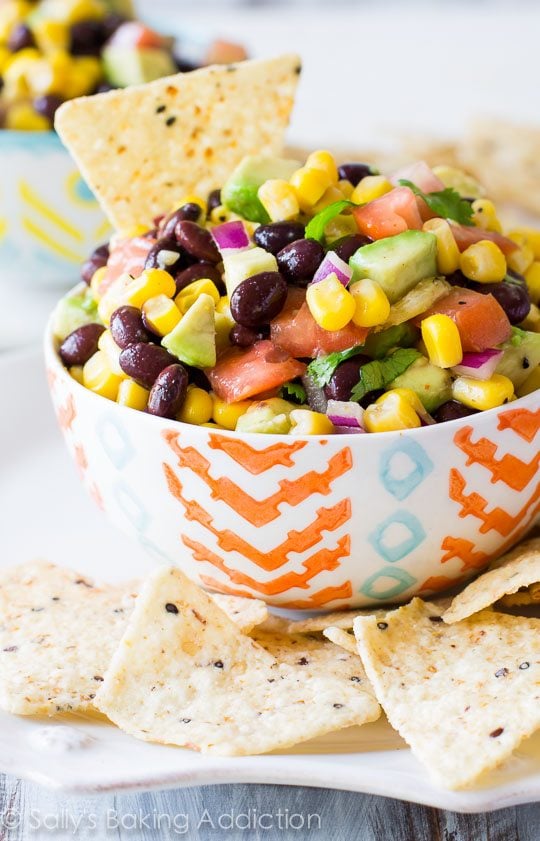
(185, 675)
(518, 569)
(463, 696)
(143, 149)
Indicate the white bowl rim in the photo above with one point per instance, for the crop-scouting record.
(51, 355)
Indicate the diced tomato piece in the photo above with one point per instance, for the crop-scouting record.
(240, 374)
(467, 235)
(391, 214)
(421, 175)
(480, 319)
(133, 33)
(296, 331)
(127, 257)
(224, 52)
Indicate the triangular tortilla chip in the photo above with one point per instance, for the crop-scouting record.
(339, 636)
(518, 568)
(184, 674)
(142, 149)
(463, 696)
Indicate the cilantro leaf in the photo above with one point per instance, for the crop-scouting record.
(295, 390)
(315, 228)
(446, 203)
(321, 369)
(381, 372)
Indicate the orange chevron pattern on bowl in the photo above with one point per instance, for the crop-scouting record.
(309, 523)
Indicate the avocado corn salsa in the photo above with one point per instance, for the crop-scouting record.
(312, 299)
(55, 50)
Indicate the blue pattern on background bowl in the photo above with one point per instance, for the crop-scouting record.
(49, 219)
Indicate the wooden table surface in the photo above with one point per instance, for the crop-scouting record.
(28, 811)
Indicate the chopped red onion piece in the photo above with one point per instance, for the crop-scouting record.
(345, 413)
(333, 264)
(421, 175)
(231, 236)
(480, 366)
(345, 430)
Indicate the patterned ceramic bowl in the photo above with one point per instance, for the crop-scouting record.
(309, 523)
(49, 220)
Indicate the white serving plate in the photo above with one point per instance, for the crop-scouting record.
(44, 512)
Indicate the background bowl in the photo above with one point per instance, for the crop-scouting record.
(49, 219)
(308, 522)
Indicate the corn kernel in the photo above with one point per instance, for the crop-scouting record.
(483, 262)
(485, 215)
(523, 256)
(132, 232)
(98, 377)
(330, 304)
(532, 320)
(483, 394)
(371, 187)
(325, 161)
(346, 188)
(372, 306)
(76, 371)
(97, 280)
(223, 306)
(197, 407)
(278, 199)
(149, 284)
(187, 297)
(309, 186)
(531, 383)
(212, 425)
(391, 412)
(84, 74)
(112, 298)
(22, 117)
(10, 15)
(227, 414)
(532, 238)
(442, 340)
(532, 277)
(51, 35)
(111, 350)
(132, 395)
(447, 251)
(306, 422)
(15, 75)
(331, 195)
(5, 57)
(162, 315)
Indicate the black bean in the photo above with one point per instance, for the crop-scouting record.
(156, 260)
(299, 261)
(247, 336)
(197, 241)
(144, 362)
(98, 258)
(111, 23)
(20, 38)
(258, 299)
(354, 172)
(213, 201)
(105, 87)
(344, 378)
(348, 246)
(81, 344)
(457, 278)
(87, 37)
(190, 211)
(277, 235)
(512, 296)
(47, 105)
(196, 272)
(168, 392)
(127, 327)
(452, 410)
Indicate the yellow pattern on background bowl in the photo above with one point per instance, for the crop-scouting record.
(49, 219)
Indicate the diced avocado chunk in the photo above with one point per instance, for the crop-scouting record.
(239, 193)
(193, 340)
(397, 263)
(125, 66)
(460, 181)
(238, 265)
(264, 420)
(377, 345)
(432, 384)
(73, 311)
(520, 358)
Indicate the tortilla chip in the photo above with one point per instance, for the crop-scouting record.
(185, 675)
(58, 632)
(338, 619)
(523, 598)
(142, 149)
(518, 568)
(463, 696)
(342, 638)
(245, 613)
